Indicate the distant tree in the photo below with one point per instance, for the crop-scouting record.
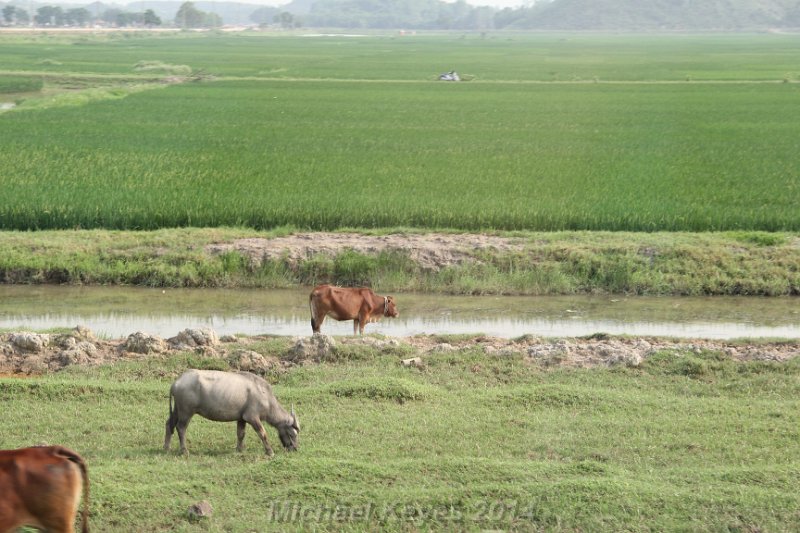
(8, 14)
(77, 16)
(125, 19)
(211, 20)
(111, 15)
(792, 17)
(49, 16)
(151, 19)
(285, 19)
(189, 16)
(21, 16)
(264, 15)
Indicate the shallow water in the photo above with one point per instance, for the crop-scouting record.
(119, 311)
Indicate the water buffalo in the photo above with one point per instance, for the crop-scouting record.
(41, 487)
(239, 397)
(360, 305)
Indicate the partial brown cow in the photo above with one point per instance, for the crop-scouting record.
(41, 487)
(360, 305)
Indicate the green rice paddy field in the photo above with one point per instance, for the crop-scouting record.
(552, 132)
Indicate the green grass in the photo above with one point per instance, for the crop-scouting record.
(687, 442)
(318, 136)
(325, 155)
(500, 57)
(736, 263)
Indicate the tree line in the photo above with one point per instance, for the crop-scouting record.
(380, 14)
(187, 16)
(439, 15)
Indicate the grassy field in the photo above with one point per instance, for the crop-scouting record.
(686, 442)
(556, 132)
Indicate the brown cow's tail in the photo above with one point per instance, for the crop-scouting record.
(79, 462)
(311, 308)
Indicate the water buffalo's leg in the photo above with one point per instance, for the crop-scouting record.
(256, 423)
(182, 425)
(241, 425)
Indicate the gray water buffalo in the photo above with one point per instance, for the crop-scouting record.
(239, 397)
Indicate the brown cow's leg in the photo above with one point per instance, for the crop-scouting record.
(241, 426)
(363, 318)
(316, 323)
(56, 504)
(356, 323)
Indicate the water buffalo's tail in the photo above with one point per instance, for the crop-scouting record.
(171, 410)
(76, 459)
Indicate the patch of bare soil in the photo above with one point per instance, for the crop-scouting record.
(28, 353)
(432, 251)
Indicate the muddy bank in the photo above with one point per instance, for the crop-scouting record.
(432, 251)
(37, 353)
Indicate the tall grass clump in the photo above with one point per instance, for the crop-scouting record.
(20, 84)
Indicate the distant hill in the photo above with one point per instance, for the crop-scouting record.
(661, 14)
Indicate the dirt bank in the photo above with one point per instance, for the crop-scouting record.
(432, 251)
(26, 353)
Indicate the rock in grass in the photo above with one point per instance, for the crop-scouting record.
(318, 347)
(201, 509)
(30, 342)
(140, 342)
(194, 337)
(413, 361)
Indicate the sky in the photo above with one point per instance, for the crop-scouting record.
(499, 4)
(493, 3)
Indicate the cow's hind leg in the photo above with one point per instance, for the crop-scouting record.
(241, 426)
(172, 421)
(262, 433)
(182, 425)
(316, 323)
(56, 508)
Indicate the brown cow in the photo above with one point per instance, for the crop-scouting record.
(360, 305)
(41, 487)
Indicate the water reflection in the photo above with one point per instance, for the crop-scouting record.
(119, 311)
